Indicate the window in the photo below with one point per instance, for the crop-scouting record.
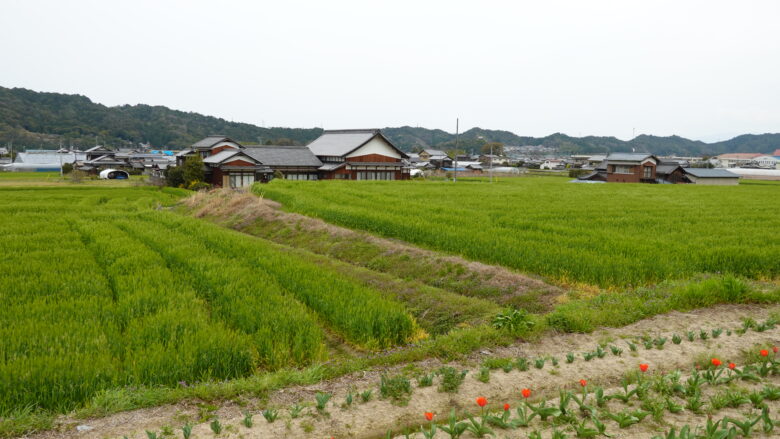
(376, 175)
(300, 176)
(241, 180)
(622, 169)
(648, 172)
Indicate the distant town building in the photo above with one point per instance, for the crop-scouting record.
(553, 164)
(734, 160)
(435, 154)
(648, 168)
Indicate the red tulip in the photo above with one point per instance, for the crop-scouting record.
(775, 349)
(583, 383)
(481, 401)
(764, 352)
(732, 366)
(429, 416)
(526, 393)
(715, 362)
(643, 367)
(506, 407)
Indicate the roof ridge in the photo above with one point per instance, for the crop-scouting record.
(276, 146)
(349, 131)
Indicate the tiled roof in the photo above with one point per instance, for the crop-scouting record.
(210, 141)
(221, 156)
(710, 173)
(331, 166)
(628, 156)
(665, 169)
(338, 143)
(434, 152)
(283, 155)
(341, 142)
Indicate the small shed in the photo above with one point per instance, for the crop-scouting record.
(719, 177)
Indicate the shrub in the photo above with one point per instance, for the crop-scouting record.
(397, 387)
(516, 321)
(451, 379)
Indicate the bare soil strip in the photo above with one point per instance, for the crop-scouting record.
(264, 218)
(374, 418)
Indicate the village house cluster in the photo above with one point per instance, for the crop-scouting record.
(367, 154)
(647, 168)
(335, 155)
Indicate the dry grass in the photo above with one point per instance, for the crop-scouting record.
(262, 217)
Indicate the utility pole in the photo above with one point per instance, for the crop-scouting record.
(457, 133)
(491, 162)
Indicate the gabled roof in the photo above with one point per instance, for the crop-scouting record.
(210, 141)
(96, 148)
(221, 156)
(710, 173)
(282, 155)
(434, 152)
(666, 168)
(183, 152)
(105, 159)
(629, 157)
(339, 143)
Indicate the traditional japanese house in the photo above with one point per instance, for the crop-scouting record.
(359, 155)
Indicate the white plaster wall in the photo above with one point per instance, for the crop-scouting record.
(377, 145)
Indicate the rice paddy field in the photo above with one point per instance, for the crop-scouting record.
(118, 298)
(104, 288)
(608, 235)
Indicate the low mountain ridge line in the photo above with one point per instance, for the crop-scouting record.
(47, 120)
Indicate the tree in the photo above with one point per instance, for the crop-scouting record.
(498, 148)
(192, 169)
(174, 176)
(452, 153)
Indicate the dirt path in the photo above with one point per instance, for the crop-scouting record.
(372, 419)
(264, 218)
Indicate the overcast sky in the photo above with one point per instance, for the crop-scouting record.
(701, 69)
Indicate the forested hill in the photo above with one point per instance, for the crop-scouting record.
(44, 120)
(36, 119)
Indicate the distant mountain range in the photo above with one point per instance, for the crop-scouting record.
(45, 120)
